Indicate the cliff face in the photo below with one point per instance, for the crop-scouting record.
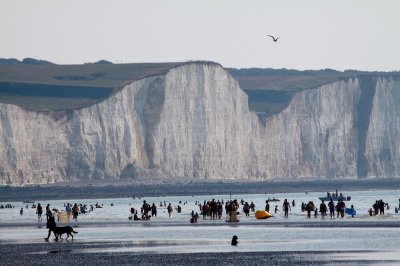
(195, 122)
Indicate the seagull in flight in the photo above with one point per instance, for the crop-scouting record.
(275, 39)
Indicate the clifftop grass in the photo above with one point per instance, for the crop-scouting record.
(54, 87)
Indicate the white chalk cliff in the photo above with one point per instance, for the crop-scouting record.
(195, 122)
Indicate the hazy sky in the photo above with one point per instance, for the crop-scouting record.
(348, 34)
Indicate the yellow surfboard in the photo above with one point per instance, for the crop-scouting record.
(260, 214)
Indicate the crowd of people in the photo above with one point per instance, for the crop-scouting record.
(214, 209)
(378, 208)
(6, 206)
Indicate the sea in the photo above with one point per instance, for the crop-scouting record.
(166, 235)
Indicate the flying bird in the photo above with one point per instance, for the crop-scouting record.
(275, 39)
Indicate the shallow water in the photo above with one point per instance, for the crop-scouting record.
(362, 201)
(108, 230)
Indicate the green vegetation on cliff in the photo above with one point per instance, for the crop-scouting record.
(42, 85)
(53, 87)
(271, 90)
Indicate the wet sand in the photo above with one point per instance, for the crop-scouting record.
(105, 243)
(69, 253)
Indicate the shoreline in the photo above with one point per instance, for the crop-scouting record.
(313, 223)
(145, 188)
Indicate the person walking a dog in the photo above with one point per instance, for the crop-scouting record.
(51, 224)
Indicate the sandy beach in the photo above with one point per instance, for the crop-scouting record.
(70, 255)
(97, 244)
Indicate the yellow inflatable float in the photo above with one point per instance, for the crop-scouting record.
(262, 214)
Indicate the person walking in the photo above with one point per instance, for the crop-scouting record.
(51, 224)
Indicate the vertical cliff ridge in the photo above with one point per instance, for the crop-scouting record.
(362, 122)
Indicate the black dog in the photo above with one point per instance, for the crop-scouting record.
(59, 231)
(234, 240)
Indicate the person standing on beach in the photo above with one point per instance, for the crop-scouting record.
(47, 208)
(376, 207)
(39, 211)
(252, 207)
(286, 208)
(21, 211)
(170, 210)
(75, 212)
(352, 208)
(233, 207)
(323, 209)
(68, 210)
(340, 207)
(381, 206)
(246, 209)
(145, 208)
(266, 206)
(309, 208)
(153, 210)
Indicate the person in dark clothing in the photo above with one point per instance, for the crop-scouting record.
(266, 206)
(286, 208)
(331, 206)
(303, 207)
(323, 209)
(39, 211)
(341, 206)
(252, 207)
(153, 210)
(145, 208)
(51, 224)
(375, 206)
(246, 209)
(309, 208)
(381, 205)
